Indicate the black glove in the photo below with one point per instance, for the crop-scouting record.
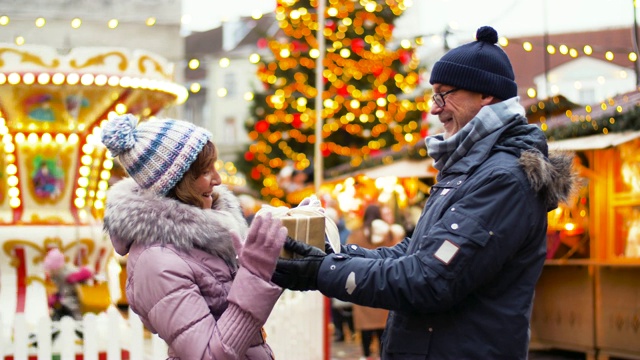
(299, 273)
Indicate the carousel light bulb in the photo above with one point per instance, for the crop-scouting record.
(84, 171)
(103, 185)
(113, 80)
(125, 82)
(86, 160)
(32, 138)
(14, 192)
(101, 80)
(86, 79)
(150, 21)
(224, 62)
(40, 22)
(88, 147)
(46, 138)
(79, 203)
(73, 78)
(28, 78)
(105, 174)
(12, 169)
(57, 78)
(83, 182)
(14, 202)
(107, 164)
(4, 20)
(13, 78)
(100, 194)
(12, 180)
(112, 24)
(121, 108)
(81, 193)
(9, 148)
(44, 78)
(73, 139)
(98, 204)
(60, 138)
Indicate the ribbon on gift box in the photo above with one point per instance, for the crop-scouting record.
(304, 214)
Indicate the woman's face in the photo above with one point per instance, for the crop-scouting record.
(205, 183)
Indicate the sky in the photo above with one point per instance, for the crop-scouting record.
(425, 17)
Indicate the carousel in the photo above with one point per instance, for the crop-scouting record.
(54, 172)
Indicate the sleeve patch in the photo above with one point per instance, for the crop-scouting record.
(446, 252)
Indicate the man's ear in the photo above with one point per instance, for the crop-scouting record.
(489, 99)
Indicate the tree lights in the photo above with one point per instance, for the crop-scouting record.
(366, 91)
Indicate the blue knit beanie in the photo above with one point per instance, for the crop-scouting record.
(156, 153)
(480, 66)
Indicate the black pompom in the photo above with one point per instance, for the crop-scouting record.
(487, 34)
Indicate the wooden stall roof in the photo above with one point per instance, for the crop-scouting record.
(594, 142)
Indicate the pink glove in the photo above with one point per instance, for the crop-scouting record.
(81, 275)
(260, 251)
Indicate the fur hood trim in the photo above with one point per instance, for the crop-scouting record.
(133, 215)
(554, 177)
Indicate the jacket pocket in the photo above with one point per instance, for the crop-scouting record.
(407, 338)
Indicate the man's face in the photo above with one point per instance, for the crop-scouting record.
(460, 107)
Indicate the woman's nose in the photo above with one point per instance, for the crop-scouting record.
(435, 109)
(216, 179)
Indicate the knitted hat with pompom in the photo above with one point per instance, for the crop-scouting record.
(480, 66)
(156, 153)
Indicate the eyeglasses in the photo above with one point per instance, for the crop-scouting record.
(438, 98)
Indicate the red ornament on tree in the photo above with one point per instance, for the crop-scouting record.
(404, 57)
(255, 174)
(330, 24)
(357, 45)
(249, 156)
(262, 126)
(262, 43)
(296, 122)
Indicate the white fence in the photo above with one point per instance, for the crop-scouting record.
(295, 330)
(105, 336)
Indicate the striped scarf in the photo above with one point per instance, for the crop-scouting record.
(447, 152)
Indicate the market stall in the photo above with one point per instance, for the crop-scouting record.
(588, 297)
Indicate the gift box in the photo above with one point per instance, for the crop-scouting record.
(307, 229)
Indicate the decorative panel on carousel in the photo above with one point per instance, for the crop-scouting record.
(54, 171)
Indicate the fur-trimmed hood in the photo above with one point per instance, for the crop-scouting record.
(554, 177)
(134, 215)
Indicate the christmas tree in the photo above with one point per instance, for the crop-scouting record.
(367, 89)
